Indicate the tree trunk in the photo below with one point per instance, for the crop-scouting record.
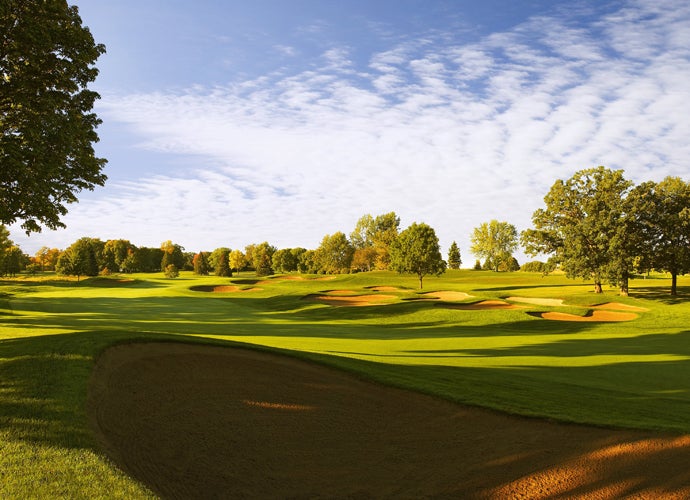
(674, 283)
(420, 281)
(624, 286)
(597, 288)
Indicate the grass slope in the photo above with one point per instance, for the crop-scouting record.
(630, 374)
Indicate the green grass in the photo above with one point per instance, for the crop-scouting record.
(632, 374)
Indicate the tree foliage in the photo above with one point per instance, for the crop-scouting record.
(454, 260)
(200, 264)
(662, 225)
(416, 250)
(334, 255)
(79, 259)
(584, 226)
(377, 233)
(494, 241)
(46, 125)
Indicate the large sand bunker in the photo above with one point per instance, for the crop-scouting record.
(594, 316)
(537, 301)
(208, 422)
(446, 295)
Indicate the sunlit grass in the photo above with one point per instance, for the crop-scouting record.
(634, 373)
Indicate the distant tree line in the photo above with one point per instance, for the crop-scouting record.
(596, 225)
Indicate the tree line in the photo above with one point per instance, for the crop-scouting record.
(595, 225)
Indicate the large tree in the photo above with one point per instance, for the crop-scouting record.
(494, 241)
(334, 255)
(47, 129)
(584, 227)
(662, 216)
(200, 263)
(416, 250)
(79, 259)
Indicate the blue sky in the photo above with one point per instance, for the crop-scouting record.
(229, 123)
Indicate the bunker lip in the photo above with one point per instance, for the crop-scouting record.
(593, 316)
(222, 289)
(483, 305)
(203, 422)
(353, 300)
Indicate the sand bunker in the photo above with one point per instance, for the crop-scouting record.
(598, 315)
(617, 306)
(537, 301)
(484, 305)
(384, 288)
(354, 300)
(210, 422)
(446, 295)
(223, 289)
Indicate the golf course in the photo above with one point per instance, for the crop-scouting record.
(482, 384)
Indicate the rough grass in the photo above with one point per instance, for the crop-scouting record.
(630, 374)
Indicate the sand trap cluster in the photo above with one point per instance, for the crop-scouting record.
(209, 422)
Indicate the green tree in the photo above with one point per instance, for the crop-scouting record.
(583, 226)
(494, 241)
(262, 258)
(79, 259)
(416, 250)
(662, 220)
(219, 262)
(334, 255)
(200, 264)
(285, 260)
(114, 254)
(172, 254)
(454, 260)
(47, 129)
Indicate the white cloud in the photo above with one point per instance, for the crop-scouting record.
(453, 135)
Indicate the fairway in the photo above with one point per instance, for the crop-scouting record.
(440, 341)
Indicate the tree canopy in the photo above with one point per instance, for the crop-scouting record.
(416, 250)
(583, 225)
(494, 241)
(454, 260)
(47, 129)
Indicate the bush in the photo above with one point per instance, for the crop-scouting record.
(171, 271)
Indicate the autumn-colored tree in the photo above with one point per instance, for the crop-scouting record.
(377, 233)
(334, 255)
(172, 254)
(200, 263)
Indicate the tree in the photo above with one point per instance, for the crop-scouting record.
(200, 264)
(285, 260)
(416, 251)
(79, 259)
(172, 254)
(583, 226)
(262, 258)
(47, 129)
(334, 255)
(495, 241)
(377, 233)
(171, 271)
(364, 259)
(236, 260)
(115, 252)
(454, 260)
(662, 220)
(219, 262)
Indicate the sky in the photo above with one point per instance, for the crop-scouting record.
(227, 123)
